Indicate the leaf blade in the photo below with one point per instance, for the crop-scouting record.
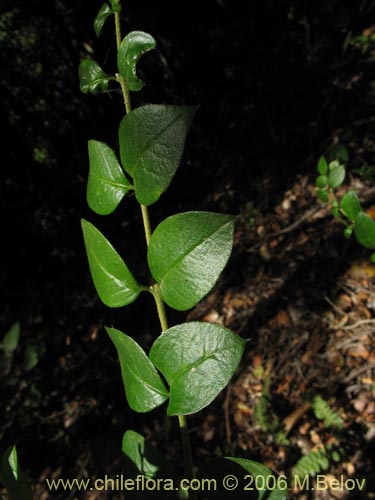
(107, 184)
(132, 48)
(144, 388)
(152, 140)
(187, 253)
(104, 12)
(92, 78)
(336, 176)
(351, 205)
(197, 360)
(364, 230)
(11, 475)
(113, 281)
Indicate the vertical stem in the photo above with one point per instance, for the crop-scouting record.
(188, 460)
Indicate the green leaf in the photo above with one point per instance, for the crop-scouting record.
(147, 460)
(336, 176)
(341, 153)
(104, 12)
(348, 232)
(197, 360)
(322, 195)
(187, 253)
(321, 181)
(107, 184)
(350, 205)
(322, 166)
(113, 281)
(15, 481)
(132, 48)
(116, 7)
(92, 78)
(11, 338)
(152, 140)
(364, 230)
(31, 357)
(143, 386)
(242, 479)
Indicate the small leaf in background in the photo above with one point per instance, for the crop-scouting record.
(143, 386)
(152, 140)
(104, 12)
(147, 460)
(31, 357)
(92, 78)
(132, 48)
(11, 339)
(197, 360)
(230, 471)
(113, 281)
(15, 481)
(107, 184)
(336, 176)
(333, 164)
(322, 195)
(187, 253)
(340, 153)
(322, 166)
(351, 205)
(321, 181)
(348, 232)
(364, 230)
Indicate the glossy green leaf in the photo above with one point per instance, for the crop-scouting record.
(107, 184)
(113, 281)
(242, 479)
(11, 338)
(187, 253)
(364, 230)
(197, 360)
(351, 205)
(336, 176)
(92, 78)
(143, 386)
(322, 195)
(132, 48)
(322, 166)
(15, 481)
(321, 181)
(152, 140)
(104, 12)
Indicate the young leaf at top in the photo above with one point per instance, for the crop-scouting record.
(132, 48)
(364, 230)
(104, 12)
(15, 481)
(143, 386)
(116, 6)
(351, 205)
(187, 253)
(336, 176)
(113, 281)
(271, 486)
(152, 140)
(197, 360)
(107, 184)
(322, 166)
(92, 78)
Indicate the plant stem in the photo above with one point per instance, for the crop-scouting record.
(155, 289)
(188, 460)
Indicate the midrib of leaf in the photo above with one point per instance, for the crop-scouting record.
(112, 276)
(147, 146)
(182, 257)
(198, 363)
(135, 374)
(113, 183)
